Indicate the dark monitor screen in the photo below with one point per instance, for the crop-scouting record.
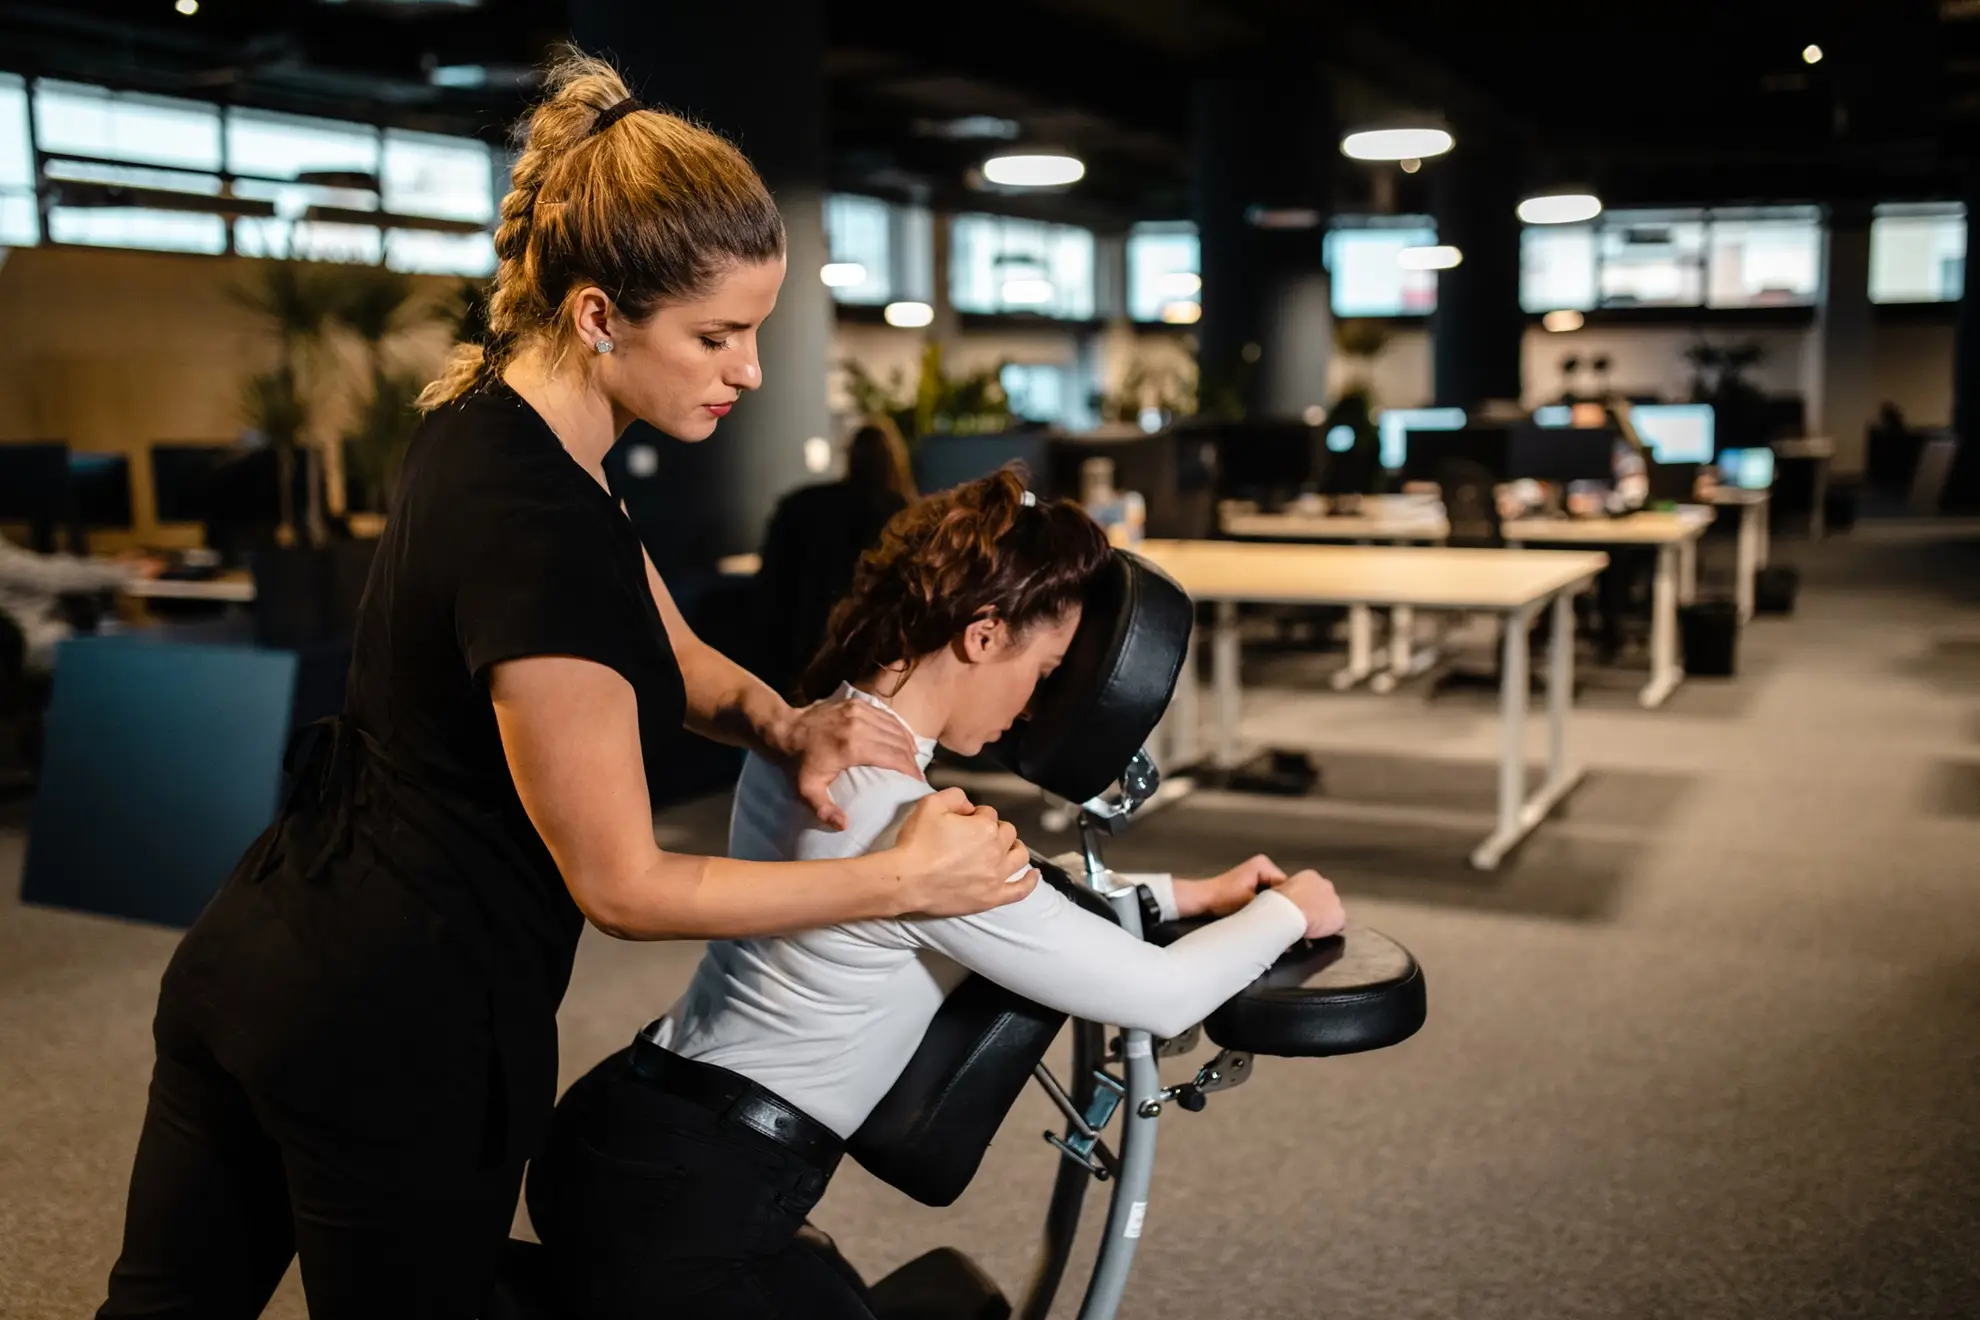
(1267, 458)
(100, 487)
(34, 482)
(180, 476)
(1563, 454)
(946, 461)
(1484, 444)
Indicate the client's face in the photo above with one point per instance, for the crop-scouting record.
(689, 362)
(999, 674)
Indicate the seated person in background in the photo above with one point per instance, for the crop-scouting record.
(32, 588)
(814, 542)
(649, 1203)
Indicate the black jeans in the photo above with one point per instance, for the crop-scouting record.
(650, 1206)
(354, 1115)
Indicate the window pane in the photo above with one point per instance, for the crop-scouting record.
(1367, 275)
(1557, 267)
(308, 240)
(1765, 262)
(451, 178)
(90, 121)
(1002, 265)
(857, 232)
(16, 160)
(283, 146)
(165, 231)
(1652, 261)
(1918, 253)
(1164, 265)
(428, 252)
(1037, 393)
(20, 225)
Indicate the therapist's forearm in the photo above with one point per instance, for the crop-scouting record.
(728, 704)
(683, 897)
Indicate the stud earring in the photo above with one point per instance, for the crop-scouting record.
(603, 346)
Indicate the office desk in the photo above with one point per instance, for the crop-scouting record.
(229, 588)
(1514, 586)
(1384, 520)
(1754, 544)
(1675, 535)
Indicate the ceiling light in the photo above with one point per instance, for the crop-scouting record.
(842, 274)
(1564, 320)
(187, 7)
(1410, 164)
(1563, 208)
(1397, 143)
(1282, 217)
(1029, 291)
(1441, 257)
(1182, 313)
(1043, 169)
(909, 315)
(1811, 54)
(1179, 284)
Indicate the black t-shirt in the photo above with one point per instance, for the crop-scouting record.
(501, 547)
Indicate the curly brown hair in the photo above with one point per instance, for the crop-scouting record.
(951, 559)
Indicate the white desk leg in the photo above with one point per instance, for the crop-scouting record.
(1687, 570)
(1746, 564)
(1179, 737)
(1225, 680)
(1519, 814)
(1361, 648)
(1402, 650)
(1665, 671)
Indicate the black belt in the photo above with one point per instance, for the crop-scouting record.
(737, 1102)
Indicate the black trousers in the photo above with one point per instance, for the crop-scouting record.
(320, 1095)
(650, 1206)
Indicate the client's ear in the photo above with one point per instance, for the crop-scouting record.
(984, 637)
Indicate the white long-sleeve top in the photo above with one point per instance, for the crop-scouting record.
(31, 591)
(828, 1018)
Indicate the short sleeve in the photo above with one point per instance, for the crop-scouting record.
(547, 579)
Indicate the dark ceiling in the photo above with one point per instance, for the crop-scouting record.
(1678, 101)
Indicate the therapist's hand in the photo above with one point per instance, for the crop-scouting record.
(827, 739)
(956, 859)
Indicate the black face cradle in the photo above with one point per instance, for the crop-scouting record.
(1093, 714)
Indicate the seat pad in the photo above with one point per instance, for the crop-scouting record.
(1356, 991)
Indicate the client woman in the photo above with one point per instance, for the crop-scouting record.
(679, 1171)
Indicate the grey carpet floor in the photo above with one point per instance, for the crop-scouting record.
(1708, 1047)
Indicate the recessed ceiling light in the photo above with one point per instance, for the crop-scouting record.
(1182, 313)
(909, 315)
(1397, 143)
(1563, 320)
(1811, 54)
(1438, 257)
(842, 274)
(187, 7)
(1562, 208)
(1038, 169)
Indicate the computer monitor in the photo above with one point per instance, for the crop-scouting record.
(1747, 469)
(945, 461)
(1488, 445)
(1554, 414)
(34, 489)
(1675, 432)
(1267, 461)
(1562, 454)
(100, 490)
(180, 477)
(1394, 426)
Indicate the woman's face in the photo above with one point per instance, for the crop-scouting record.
(998, 675)
(683, 368)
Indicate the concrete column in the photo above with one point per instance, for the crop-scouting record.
(1478, 329)
(772, 105)
(1264, 149)
(1962, 489)
(1839, 385)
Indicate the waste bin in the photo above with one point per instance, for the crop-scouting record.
(1774, 588)
(1711, 638)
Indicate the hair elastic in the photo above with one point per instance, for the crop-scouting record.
(613, 114)
(1029, 500)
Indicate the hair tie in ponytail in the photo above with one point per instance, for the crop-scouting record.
(614, 114)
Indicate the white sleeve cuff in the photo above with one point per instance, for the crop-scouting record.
(1160, 885)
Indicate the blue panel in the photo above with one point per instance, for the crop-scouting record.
(162, 762)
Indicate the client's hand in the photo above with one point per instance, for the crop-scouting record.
(956, 859)
(1315, 895)
(828, 738)
(1221, 895)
